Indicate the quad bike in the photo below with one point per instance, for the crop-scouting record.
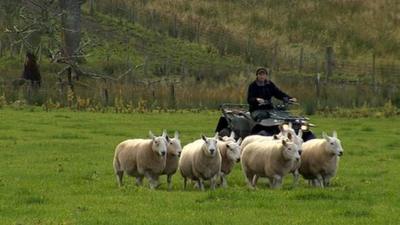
(237, 118)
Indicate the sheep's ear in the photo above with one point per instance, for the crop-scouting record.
(324, 135)
(275, 137)
(300, 133)
(204, 138)
(239, 141)
(176, 135)
(289, 136)
(334, 134)
(164, 133)
(216, 135)
(284, 143)
(290, 125)
(232, 134)
(151, 135)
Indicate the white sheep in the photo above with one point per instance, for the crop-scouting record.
(298, 140)
(320, 159)
(201, 160)
(285, 129)
(271, 159)
(141, 158)
(174, 150)
(229, 149)
(256, 138)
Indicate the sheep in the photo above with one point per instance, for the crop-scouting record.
(271, 159)
(256, 138)
(141, 158)
(297, 139)
(174, 150)
(285, 129)
(320, 159)
(286, 132)
(201, 160)
(230, 154)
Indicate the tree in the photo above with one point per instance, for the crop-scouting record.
(71, 27)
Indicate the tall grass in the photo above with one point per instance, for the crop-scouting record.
(189, 92)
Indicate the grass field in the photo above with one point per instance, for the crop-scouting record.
(56, 168)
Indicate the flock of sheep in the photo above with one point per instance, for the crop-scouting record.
(210, 158)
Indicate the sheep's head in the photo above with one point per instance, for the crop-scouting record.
(234, 149)
(211, 148)
(286, 129)
(297, 139)
(290, 150)
(288, 132)
(174, 145)
(159, 144)
(229, 138)
(334, 145)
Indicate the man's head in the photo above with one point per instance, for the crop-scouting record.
(262, 74)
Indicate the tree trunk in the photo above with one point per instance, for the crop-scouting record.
(91, 3)
(71, 24)
(33, 40)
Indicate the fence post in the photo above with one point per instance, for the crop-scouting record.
(105, 93)
(198, 32)
(1, 49)
(21, 49)
(173, 96)
(11, 50)
(301, 60)
(373, 69)
(175, 27)
(145, 66)
(318, 88)
(275, 57)
(329, 62)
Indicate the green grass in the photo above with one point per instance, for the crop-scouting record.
(56, 168)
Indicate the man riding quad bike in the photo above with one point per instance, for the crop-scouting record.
(236, 117)
(263, 118)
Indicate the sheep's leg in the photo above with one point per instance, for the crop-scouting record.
(320, 180)
(169, 181)
(327, 181)
(296, 176)
(153, 180)
(184, 183)
(255, 180)
(276, 181)
(249, 179)
(224, 183)
(213, 182)
(314, 182)
(154, 183)
(119, 175)
(221, 178)
(139, 181)
(200, 182)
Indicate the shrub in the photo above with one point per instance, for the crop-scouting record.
(3, 101)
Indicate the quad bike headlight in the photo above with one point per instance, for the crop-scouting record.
(304, 127)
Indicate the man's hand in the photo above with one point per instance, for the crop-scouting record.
(260, 100)
(293, 99)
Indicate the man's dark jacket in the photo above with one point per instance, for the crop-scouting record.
(266, 92)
